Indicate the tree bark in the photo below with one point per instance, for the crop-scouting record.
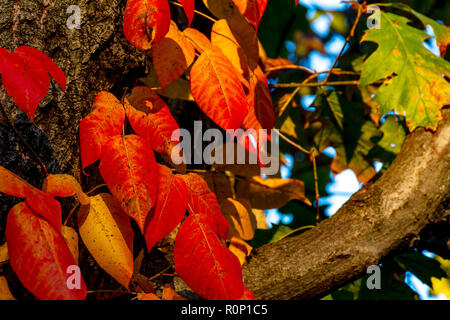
(95, 57)
(382, 217)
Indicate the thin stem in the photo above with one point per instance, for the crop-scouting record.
(197, 12)
(315, 84)
(291, 142)
(289, 100)
(296, 230)
(77, 204)
(159, 274)
(316, 184)
(350, 35)
(268, 70)
(22, 139)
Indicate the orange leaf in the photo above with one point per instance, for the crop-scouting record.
(170, 207)
(39, 256)
(129, 169)
(223, 38)
(198, 39)
(147, 296)
(146, 22)
(172, 56)
(239, 215)
(170, 294)
(217, 89)
(64, 185)
(240, 248)
(253, 10)
(105, 120)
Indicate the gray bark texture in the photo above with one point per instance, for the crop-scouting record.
(386, 215)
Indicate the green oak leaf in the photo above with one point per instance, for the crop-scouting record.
(411, 77)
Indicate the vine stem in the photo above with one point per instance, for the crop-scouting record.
(196, 11)
(296, 230)
(315, 84)
(76, 205)
(22, 139)
(316, 184)
(292, 142)
(350, 35)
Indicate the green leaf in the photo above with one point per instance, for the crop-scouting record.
(410, 75)
(279, 22)
(422, 267)
(441, 32)
(394, 132)
(347, 127)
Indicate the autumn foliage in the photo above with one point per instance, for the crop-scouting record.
(124, 136)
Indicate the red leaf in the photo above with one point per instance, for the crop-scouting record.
(47, 207)
(105, 120)
(25, 76)
(261, 114)
(129, 169)
(204, 202)
(156, 127)
(14, 185)
(40, 202)
(170, 206)
(253, 10)
(32, 54)
(216, 87)
(172, 56)
(248, 295)
(189, 8)
(40, 256)
(204, 263)
(146, 22)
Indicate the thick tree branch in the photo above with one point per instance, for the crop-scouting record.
(386, 215)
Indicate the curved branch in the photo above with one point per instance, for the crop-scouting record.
(383, 216)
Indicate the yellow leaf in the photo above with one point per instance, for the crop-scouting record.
(106, 231)
(240, 248)
(178, 89)
(5, 294)
(440, 286)
(238, 213)
(260, 217)
(4, 256)
(271, 193)
(71, 237)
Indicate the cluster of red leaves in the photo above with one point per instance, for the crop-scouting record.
(226, 82)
